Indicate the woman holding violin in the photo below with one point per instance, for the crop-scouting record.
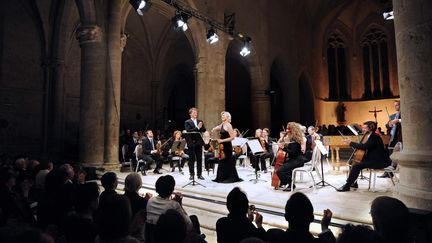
(292, 148)
(226, 172)
(371, 149)
(178, 152)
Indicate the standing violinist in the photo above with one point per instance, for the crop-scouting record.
(150, 152)
(375, 157)
(226, 172)
(179, 152)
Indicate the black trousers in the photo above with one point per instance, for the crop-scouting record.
(195, 154)
(356, 168)
(285, 171)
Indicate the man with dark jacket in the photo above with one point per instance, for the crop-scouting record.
(376, 156)
(195, 149)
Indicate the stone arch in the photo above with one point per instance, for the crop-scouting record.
(238, 88)
(307, 110)
(278, 96)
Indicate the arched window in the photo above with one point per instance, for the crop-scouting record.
(337, 69)
(375, 64)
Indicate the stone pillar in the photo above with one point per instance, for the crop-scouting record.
(92, 94)
(413, 26)
(116, 43)
(210, 83)
(260, 100)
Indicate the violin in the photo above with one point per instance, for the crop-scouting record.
(221, 151)
(160, 146)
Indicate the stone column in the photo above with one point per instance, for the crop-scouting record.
(116, 43)
(210, 83)
(92, 94)
(260, 101)
(413, 26)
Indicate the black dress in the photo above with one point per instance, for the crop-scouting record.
(226, 172)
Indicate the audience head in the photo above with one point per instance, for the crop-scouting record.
(165, 186)
(171, 221)
(67, 168)
(87, 197)
(133, 182)
(359, 234)
(299, 211)
(114, 217)
(391, 218)
(109, 181)
(237, 202)
(46, 165)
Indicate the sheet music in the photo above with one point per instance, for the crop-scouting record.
(353, 130)
(255, 146)
(321, 147)
(239, 141)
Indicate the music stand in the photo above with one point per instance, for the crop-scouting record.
(193, 139)
(256, 149)
(178, 145)
(323, 151)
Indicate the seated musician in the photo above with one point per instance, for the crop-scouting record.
(179, 152)
(209, 157)
(151, 153)
(260, 157)
(268, 145)
(306, 147)
(376, 157)
(237, 150)
(292, 147)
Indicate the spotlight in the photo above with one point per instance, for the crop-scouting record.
(140, 6)
(246, 47)
(212, 37)
(180, 21)
(388, 15)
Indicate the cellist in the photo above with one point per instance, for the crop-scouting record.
(375, 155)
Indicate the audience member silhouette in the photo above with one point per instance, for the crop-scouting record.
(79, 225)
(299, 214)
(113, 221)
(109, 183)
(133, 183)
(238, 224)
(359, 234)
(391, 219)
(173, 222)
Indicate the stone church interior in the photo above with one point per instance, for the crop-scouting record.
(216, 121)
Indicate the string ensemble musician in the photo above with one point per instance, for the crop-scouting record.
(226, 172)
(179, 152)
(292, 147)
(375, 156)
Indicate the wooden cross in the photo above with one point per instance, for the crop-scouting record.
(375, 111)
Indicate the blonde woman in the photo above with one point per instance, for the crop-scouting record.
(292, 147)
(226, 172)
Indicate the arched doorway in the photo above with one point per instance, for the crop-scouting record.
(307, 112)
(181, 97)
(238, 89)
(276, 100)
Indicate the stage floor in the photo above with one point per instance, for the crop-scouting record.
(208, 202)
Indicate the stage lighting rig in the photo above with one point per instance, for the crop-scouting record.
(180, 21)
(140, 6)
(246, 47)
(212, 37)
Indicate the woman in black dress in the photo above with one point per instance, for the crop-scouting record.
(226, 172)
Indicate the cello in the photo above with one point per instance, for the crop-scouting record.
(280, 158)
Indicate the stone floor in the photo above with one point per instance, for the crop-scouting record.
(208, 202)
